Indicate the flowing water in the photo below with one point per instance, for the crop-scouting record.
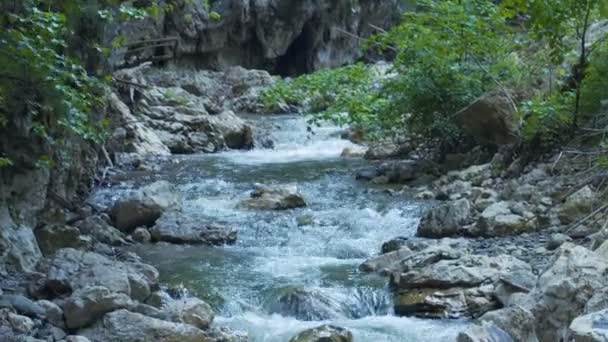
(296, 269)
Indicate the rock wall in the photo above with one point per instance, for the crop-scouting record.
(282, 36)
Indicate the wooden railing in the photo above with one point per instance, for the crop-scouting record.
(134, 52)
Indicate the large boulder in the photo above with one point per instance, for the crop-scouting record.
(277, 197)
(191, 311)
(564, 289)
(126, 326)
(448, 285)
(174, 227)
(97, 227)
(71, 270)
(54, 237)
(499, 219)
(578, 204)
(324, 333)
(490, 119)
(87, 305)
(515, 320)
(445, 220)
(18, 246)
(144, 206)
(183, 124)
(485, 332)
(589, 328)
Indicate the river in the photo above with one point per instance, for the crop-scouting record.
(289, 270)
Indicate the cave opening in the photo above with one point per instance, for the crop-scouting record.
(298, 59)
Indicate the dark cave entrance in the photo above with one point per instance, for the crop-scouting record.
(298, 58)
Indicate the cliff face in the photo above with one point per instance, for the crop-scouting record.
(282, 36)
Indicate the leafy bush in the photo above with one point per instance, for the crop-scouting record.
(54, 88)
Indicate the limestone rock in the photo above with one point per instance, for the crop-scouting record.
(485, 332)
(578, 204)
(563, 290)
(126, 326)
(54, 237)
(279, 197)
(145, 206)
(191, 311)
(177, 228)
(490, 119)
(515, 320)
(86, 306)
(589, 328)
(71, 270)
(324, 333)
(97, 227)
(445, 220)
(142, 235)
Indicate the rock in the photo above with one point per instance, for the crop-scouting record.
(353, 152)
(577, 205)
(76, 338)
(515, 320)
(86, 306)
(470, 174)
(304, 304)
(141, 139)
(557, 240)
(144, 206)
(191, 311)
(424, 195)
(53, 313)
(367, 174)
(589, 328)
(174, 227)
(443, 303)
(18, 246)
(22, 305)
(386, 262)
(279, 197)
(54, 237)
(444, 284)
(490, 119)
(394, 244)
(324, 333)
(126, 326)
(400, 171)
(485, 332)
(564, 288)
(142, 235)
(97, 227)
(20, 324)
(445, 220)
(387, 150)
(183, 122)
(71, 270)
(499, 220)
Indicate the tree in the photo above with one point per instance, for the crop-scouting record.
(555, 22)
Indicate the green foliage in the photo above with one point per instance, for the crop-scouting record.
(547, 118)
(447, 53)
(55, 88)
(346, 95)
(595, 84)
(556, 20)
